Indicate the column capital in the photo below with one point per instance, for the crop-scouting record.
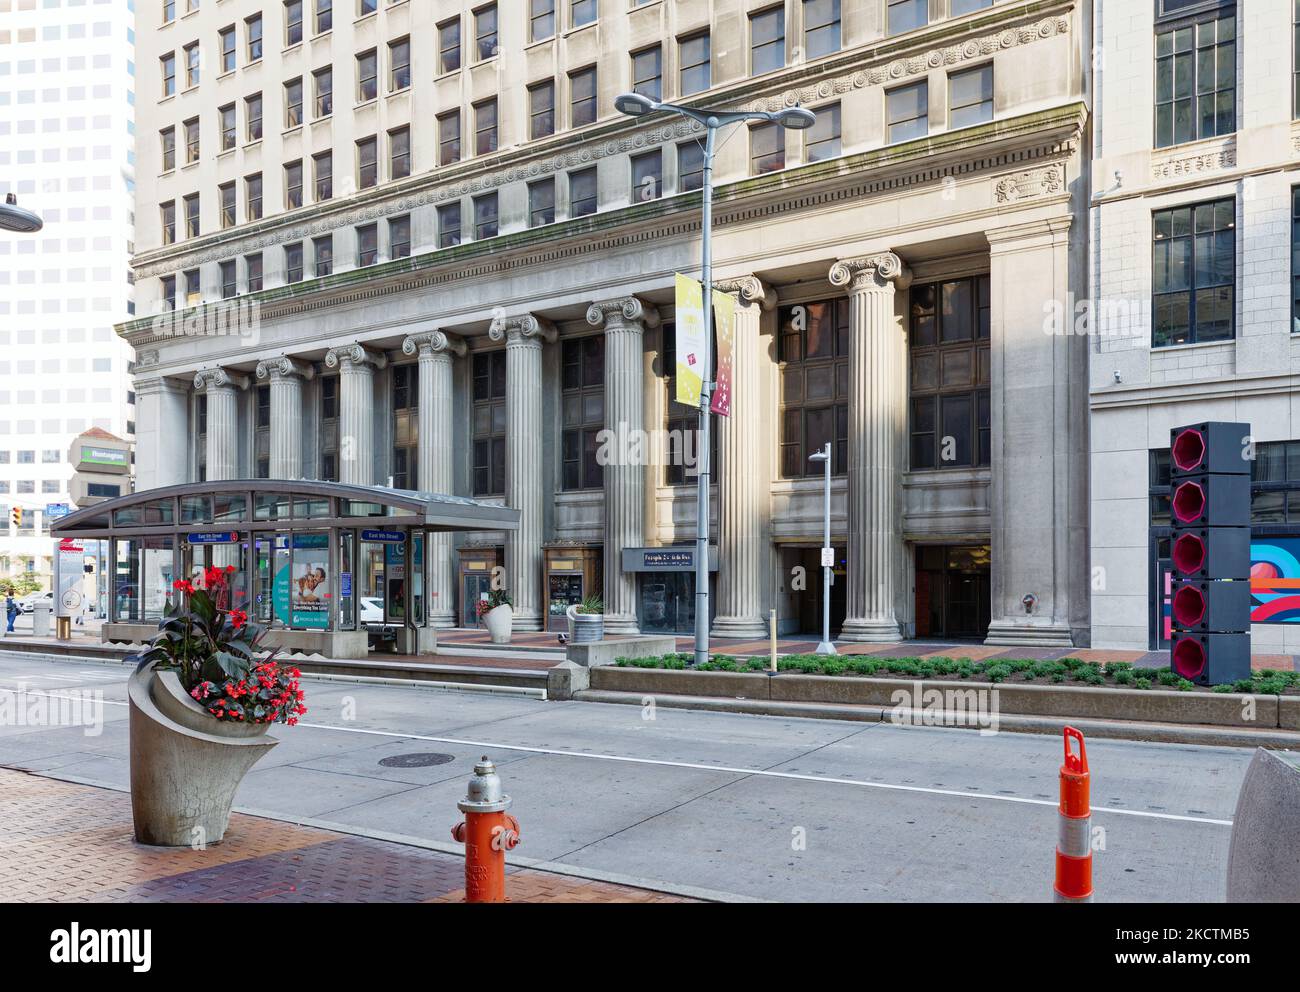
(870, 272)
(152, 385)
(522, 330)
(432, 343)
(284, 367)
(354, 354)
(750, 289)
(623, 312)
(219, 379)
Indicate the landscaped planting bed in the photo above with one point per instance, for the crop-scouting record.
(1066, 671)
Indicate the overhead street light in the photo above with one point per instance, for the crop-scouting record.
(795, 118)
(15, 218)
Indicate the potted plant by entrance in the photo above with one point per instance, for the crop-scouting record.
(587, 621)
(201, 700)
(498, 613)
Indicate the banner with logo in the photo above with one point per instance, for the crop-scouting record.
(692, 349)
(724, 326)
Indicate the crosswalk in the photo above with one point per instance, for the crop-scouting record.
(50, 679)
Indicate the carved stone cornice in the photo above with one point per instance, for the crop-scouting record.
(871, 272)
(1031, 184)
(750, 289)
(347, 355)
(523, 330)
(219, 379)
(624, 311)
(284, 367)
(432, 343)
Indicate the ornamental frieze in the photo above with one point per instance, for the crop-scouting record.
(1030, 184)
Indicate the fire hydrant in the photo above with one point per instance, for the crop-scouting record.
(487, 832)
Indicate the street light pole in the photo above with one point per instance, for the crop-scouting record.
(637, 105)
(826, 647)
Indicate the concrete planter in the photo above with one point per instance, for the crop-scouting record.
(498, 622)
(1263, 858)
(585, 628)
(185, 763)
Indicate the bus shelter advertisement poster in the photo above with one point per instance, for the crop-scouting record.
(301, 593)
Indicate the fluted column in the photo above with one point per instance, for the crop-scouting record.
(286, 378)
(222, 389)
(745, 481)
(437, 352)
(523, 337)
(877, 427)
(356, 367)
(625, 321)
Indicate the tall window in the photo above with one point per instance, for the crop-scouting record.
(583, 401)
(169, 11)
(253, 115)
(292, 22)
(449, 225)
(253, 271)
(647, 176)
(253, 32)
(951, 426)
(293, 262)
(541, 202)
(367, 163)
(169, 292)
(821, 27)
(323, 83)
(1194, 272)
(690, 166)
(253, 196)
(168, 69)
(323, 165)
(970, 97)
(262, 433)
(323, 255)
(488, 422)
(582, 192)
(648, 73)
(192, 215)
(766, 148)
(908, 112)
(582, 97)
(367, 245)
(168, 216)
(399, 57)
(406, 426)
(766, 41)
(229, 279)
(399, 153)
(226, 117)
(227, 194)
(324, 15)
(541, 109)
(293, 184)
(1196, 78)
(823, 138)
(293, 103)
(329, 416)
(449, 137)
(399, 236)
(226, 40)
(367, 76)
(367, 7)
(541, 19)
(192, 140)
(192, 64)
(485, 127)
(695, 65)
(813, 348)
(582, 12)
(167, 137)
(193, 288)
(485, 31)
(908, 15)
(485, 216)
(449, 45)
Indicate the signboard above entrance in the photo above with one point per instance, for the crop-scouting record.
(665, 559)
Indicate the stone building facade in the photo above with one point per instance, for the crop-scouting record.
(462, 262)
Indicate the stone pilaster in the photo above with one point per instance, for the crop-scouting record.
(625, 321)
(286, 378)
(877, 429)
(437, 352)
(356, 367)
(524, 337)
(222, 389)
(162, 440)
(745, 477)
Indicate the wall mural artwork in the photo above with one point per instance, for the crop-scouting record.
(1275, 580)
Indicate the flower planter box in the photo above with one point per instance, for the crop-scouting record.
(499, 620)
(585, 628)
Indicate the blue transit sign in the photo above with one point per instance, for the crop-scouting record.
(214, 537)
(53, 511)
(388, 536)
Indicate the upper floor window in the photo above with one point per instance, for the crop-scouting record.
(367, 163)
(766, 148)
(293, 103)
(449, 137)
(324, 166)
(647, 73)
(292, 22)
(253, 115)
(582, 12)
(253, 32)
(541, 109)
(227, 205)
(813, 349)
(950, 374)
(293, 262)
(822, 140)
(956, 8)
(690, 166)
(1196, 78)
(167, 212)
(449, 45)
(406, 426)
(323, 254)
(191, 140)
(541, 202)
(488, 423)
(367, 76)
(168, 65)
(485, 31)
(821, 27)
(908, 15)
(647, 176)
(1295, 64)
(449, 225)
(168, 137)
(226, 118)
(970, 97)
(169, 11)
(582, 192)
(1194, 271)
(324, 15)
(766, 41)
(399, 57)
(365, 7)
(485, 216)
(695, 64)
(367, 245)
(908, 112)
(541, 19)
(485, 127)
(582, 97)
(293, 184)
(399, 236)
(323, 81)
(582, 397)
(253, 196)
(192, 215)
(192, 64)
(226, 36)
(399, 153)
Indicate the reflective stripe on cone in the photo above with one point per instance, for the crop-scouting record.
(1074, 836)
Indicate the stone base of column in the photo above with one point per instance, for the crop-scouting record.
(870, 631)
(740, 628)
(620, 624)
(525, 623)
(1011, 632)
(442, 620)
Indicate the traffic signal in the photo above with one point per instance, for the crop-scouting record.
(1210, 503)
(18, 516)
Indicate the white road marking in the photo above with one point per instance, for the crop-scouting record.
(728, 769)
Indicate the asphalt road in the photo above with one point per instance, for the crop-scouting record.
(752, 806)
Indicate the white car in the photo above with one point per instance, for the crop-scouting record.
(372, 609)
(28, 603)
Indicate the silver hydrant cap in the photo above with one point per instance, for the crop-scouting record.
(484, 795)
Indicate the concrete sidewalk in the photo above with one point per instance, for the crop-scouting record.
(64, 842)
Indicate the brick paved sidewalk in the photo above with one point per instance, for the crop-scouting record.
(61, 842)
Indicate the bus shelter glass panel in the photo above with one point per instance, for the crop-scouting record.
(370, 579)
(226, 552)
(229, 508)
(347, 573)
(417, 579)
(300, 586)
(395, 582)
(270, 554)
(143, 573)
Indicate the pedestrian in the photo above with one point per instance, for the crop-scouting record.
(11, 611)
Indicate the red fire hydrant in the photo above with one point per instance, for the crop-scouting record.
(487, 832)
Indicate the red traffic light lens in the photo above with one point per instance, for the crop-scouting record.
(1189, 554)
(1188, 606)
(1188, 451)
(1189, 659)
(1189, 502)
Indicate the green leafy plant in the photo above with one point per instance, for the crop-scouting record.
(495, 598)
(592, 606)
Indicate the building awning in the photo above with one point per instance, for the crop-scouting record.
(276, 504)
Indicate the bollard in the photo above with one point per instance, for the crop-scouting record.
(487, 832)
(1074, 842)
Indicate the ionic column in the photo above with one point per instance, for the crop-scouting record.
(222, 389)
(625, 321)
(744, 483)
(877, 427)
(356, 367)
(523, 337)
(286, 378)
(437, 352)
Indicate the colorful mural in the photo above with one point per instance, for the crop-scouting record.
(1275, 580)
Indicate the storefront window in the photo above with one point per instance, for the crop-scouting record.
(814, 355)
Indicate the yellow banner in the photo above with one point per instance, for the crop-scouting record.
(692, 349)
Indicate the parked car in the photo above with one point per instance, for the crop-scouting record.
(372, 609)
(28, 603)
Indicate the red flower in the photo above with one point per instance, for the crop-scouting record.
(238, 618)
(230, 568)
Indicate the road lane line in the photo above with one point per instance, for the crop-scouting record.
(727, 769)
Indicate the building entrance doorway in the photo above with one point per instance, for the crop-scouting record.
(810, 598)
(952, 592)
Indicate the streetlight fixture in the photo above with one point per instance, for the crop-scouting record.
(826, 647)
(795, 118)
(15, 218)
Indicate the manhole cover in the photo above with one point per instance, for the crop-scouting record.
(419, 760)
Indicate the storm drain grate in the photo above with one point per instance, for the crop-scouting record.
(421, 759)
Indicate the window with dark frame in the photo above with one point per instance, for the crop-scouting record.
(648, 72)
(541, 19)
(253, 32)
(821, 28)
(949, 369)
(681, 423)
(449, 45)
(329, 434)
(488, 423)
(695, 64)
(367, 245)
(908, 112)
(582, 12)
(970, 97)
(293, 267)
(367, 76)
(485, 32)
(253, 272)
(1295, 259)
(324, 16)
(908, 15)
(1196, 77)
(229, 279)
(226, 194)
(367, 162)
(485, 216)
(191, 140)
(541, 202)
(253, 196)
(323, 84)
(449, 225)
(541, 109)
(167, 212)
(766, 148)
(167, 137)
(293, 184)
(1274, 486)
(399, 61)
(399, 236)
(1194, 274)
(399, 153)
(823, 140)
(449, 137)
(293, 103)
(253, 115)
(406, 426)
(767, 41)
(690, 166)
(647, 176)
(323, 255)
(292, 23)
(582, 399)
(813, 351)
(582, 192)
(226, 37)
(582, 97)
(323, 166)
(192, 215)
(169, 292)
(485, 127)
(168, 65)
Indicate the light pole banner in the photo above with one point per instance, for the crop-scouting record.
(724, 325)
(691, 346)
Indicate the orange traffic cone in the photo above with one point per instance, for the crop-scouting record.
(1074, 843)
